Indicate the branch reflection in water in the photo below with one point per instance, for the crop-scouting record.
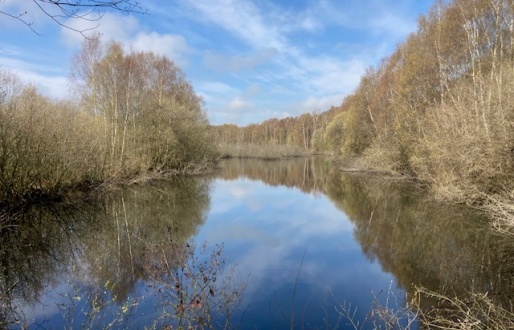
(136, 258)
(124, 259)
(446, 249)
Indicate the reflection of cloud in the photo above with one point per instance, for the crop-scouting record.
(255, 205)
(268, 245)
(289, 215)
(48, 303)
(240, 191)
(246, 234)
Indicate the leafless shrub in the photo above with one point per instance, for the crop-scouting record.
(478, 311)
(389, 314)
(501, 209)
(195, 289)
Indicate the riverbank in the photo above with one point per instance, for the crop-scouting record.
(497, 203)
(83, 191)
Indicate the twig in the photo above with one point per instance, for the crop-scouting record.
(294, 289)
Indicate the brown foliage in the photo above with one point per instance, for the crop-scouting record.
(135, 113)
(440, 108)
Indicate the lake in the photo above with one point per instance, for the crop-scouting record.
(256, 244)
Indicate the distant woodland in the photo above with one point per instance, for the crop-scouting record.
(440, 109)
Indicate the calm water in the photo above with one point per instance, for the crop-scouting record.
(258, 244)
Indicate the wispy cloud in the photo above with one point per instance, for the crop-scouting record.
(248, 59)
(129, 31)
(239, 104)
(48, 80)
(173, 46)
(237, 63)
(317, 104)
(242, 18)
(319, 77)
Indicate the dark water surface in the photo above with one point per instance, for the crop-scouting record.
(258, 244)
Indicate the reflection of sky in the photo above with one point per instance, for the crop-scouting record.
(266, 230)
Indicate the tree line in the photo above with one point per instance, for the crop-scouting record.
(132, 113)
(274, 138)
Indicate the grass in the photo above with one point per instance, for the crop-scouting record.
(477, 311)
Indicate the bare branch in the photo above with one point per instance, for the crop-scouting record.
(20, 18)
(61, 11)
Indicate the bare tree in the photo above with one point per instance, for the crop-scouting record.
(62, 11)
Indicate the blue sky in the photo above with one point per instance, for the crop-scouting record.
(249, 59)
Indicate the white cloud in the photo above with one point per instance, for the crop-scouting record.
(293, 56)
(128, 31)
(320, 77)
(318, 104)
(45, 78)
(242, 18)
(216, 94)
(310, 24)
(333, 76)
(238, 104)
(111, 27)
(173, 46)
(252, 90)
(27, 11)
(216, 87)
(237, 63)
(392, 24)
(53, 86)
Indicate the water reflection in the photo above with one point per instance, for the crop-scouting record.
(445, 248)
(36, 244)
(302, 235)
(101, 249)
(138, 224)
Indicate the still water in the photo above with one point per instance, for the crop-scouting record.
(257, 244)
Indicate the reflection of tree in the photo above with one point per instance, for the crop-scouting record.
(449, 249)
(302, 173)
(35, 245)
(139, 224)
(111, 243)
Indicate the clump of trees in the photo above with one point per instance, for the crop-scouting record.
(440, 108)
(134, 112)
